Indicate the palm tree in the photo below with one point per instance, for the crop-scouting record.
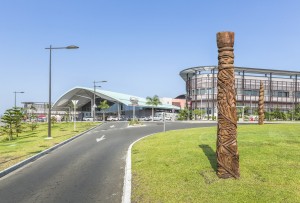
(154, 102)
(103, 106)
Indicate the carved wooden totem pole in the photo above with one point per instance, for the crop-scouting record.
(227, 151)
(261, 104)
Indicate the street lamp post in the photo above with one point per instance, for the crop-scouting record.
(134, 101)
(49, 107)
(74, 115)
(94, 106)
(16, 97)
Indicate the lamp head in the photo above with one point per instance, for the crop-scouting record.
(72, 47)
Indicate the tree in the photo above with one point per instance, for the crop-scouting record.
(297, 112)
(246, 110)
(184, 114)
(31, 110)
(198, 112)
(278, 115)
(8, 120)
(33, 123)
(12, 120)
(269, 115)
(18, 117)
(53, 120)
(154, 102)
(103, 106)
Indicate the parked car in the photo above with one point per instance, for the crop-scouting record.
(112, 118)
(123, 118)
(41, 119)
(88, 119)
(144, 119)
(156, 118)
(168, 118)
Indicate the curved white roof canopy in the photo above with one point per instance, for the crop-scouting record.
(86, 95)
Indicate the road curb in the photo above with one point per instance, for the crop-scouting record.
(126, 198)
(33, 158)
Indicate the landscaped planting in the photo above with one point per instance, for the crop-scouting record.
(180, 166)
(29, 143)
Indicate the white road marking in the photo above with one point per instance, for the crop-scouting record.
(112, 126)
(126, 198)
(100, 139)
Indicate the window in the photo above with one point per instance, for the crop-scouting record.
(238, 91)
(205, 91)
(209, 90)
(279, 93)
(251, 92)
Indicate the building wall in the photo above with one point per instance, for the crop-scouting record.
(280, 92)
(166, 100)
(40, 110)
(179, 102)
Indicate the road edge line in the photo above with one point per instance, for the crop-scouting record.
(126, 198)
(39, 155)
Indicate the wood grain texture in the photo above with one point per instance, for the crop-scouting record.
(261, 104)
(227, 150)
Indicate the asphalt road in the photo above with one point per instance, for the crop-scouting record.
(88, 169)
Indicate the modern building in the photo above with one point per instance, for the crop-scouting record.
(120, 104)
(179, 101)
(40, 110)
(281, 88)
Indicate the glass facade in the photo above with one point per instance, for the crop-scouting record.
(281, 88)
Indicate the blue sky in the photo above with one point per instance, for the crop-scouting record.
(138, 46)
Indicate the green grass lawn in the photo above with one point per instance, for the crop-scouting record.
(30, 142)
(180, 166)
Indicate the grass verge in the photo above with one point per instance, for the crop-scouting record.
(30, 142)
(180, 166)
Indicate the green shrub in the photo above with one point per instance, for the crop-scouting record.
(134, 122)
